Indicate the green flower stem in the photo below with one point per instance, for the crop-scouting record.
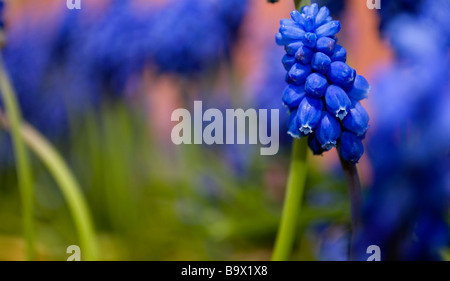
(56, 166)
(24, 173)
(292, 202)
(354, 189)
(294, 191)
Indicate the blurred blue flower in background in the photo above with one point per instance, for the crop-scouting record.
(407, 206)
(28, 59)
(68, 69)
(232, 14)
(74, 60)
(391, 9)
(112, 49)
(192, 37)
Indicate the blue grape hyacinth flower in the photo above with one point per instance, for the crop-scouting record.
(323, 93)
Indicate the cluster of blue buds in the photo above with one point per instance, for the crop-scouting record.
(324, 92)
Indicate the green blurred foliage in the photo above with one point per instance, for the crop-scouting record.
(151, 202)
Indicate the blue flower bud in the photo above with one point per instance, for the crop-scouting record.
(328, 29)
(299, 72)
(351, 148)
(295, 15)
(293, 95)
(293, 47)
(288, 62)
(310, 39)
(341, 74)
(314, 144)
(311, 10)
(322, 15)
(328, 131)
(293, 125)
(337, 101)
(309, 113)
(314, 9)
(360, 89)
(315, 85)
(308, 23)
(340, 54)
(287, 22)
(302, 21)
(292, 32)
(326, 45)
(304, 55)
(280, 40)
(357, 120)
(320, 62)
(304, 10)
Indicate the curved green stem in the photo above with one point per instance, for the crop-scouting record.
(23, 133)
(24, 171)
(292, 203)
(69, 188)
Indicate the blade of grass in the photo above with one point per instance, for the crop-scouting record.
(118, 145)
